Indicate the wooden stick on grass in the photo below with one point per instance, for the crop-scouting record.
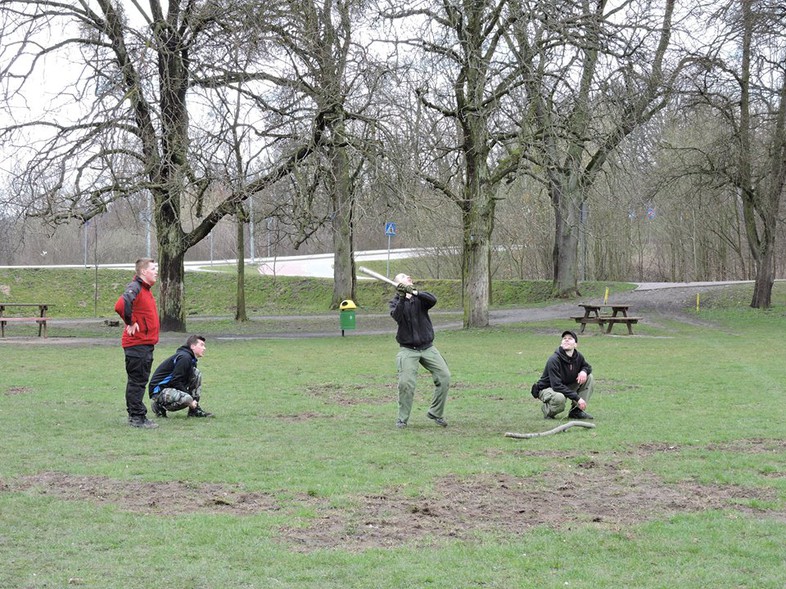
(556, 430)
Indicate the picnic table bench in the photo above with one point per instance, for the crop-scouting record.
(40, 318)
(593, 314)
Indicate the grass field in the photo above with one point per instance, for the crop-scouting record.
(302, 480)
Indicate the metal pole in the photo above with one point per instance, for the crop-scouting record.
(95, 260)
(251, 227)
(387, 272)
(85, 228)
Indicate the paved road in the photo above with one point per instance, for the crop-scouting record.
(321, 266)
(316, 265)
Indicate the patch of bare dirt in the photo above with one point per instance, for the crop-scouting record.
(166, 498)
(598, 491)
(750, 446)
(461, 508)
(352, 394)
(372, 393)
(18, 390)
(301, 417)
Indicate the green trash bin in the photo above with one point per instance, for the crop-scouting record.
(347, 315)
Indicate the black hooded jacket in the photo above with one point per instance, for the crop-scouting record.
(561, 371)
(175, 372)
(414, 325)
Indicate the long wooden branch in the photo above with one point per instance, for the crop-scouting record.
(556, 430)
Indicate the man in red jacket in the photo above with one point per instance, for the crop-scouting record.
(137, 308)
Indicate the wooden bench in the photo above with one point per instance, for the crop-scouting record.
(585, 320)
(606, 320)
(41, 318)
(592, 315)
(629, 321)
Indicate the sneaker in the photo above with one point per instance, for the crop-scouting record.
(546, 413)
(157, 409)
(438, 420)
(401, 424)
(142, 422)
(198, 412)
(577, 413)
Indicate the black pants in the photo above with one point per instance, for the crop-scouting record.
(139, 360)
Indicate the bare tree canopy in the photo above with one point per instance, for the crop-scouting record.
(324, 114)
(463, 77)
(595, 72)
(134, 116)
(743, 85)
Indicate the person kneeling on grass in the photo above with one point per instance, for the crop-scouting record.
(567, 375)
(177, 382)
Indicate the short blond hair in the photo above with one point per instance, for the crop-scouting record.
(143, 263)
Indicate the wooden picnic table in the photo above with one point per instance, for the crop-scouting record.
(40, 318)
(598, 313)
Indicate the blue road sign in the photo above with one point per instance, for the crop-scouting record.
(390, 229)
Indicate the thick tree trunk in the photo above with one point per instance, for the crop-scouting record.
(169, 174)
(476, 272)
(566, 267)
(344, 281)
(764, 258)
(762, 289)
(340, 187)
(170, 280)
(760, 200)
(240, 309)
(567, 212)
(761, 241)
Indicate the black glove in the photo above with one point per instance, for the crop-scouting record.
(401, 289)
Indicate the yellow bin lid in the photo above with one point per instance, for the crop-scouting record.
(347, 304)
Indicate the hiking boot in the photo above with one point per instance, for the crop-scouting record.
(198, 412)
(546, 411)
(142, 422)
(577, 413)
(401, 424)
(438, 420)
(157, 409)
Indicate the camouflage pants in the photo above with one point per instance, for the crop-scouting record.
(175, 399)
(554, 402)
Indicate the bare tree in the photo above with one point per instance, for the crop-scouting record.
(463, 85)
(325, 76)
(136, 133)
(747, 87)
(594, 73)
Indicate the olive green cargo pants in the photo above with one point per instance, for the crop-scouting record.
(407, 361)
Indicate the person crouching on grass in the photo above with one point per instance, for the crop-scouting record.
(567, 375)
(177, 382)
